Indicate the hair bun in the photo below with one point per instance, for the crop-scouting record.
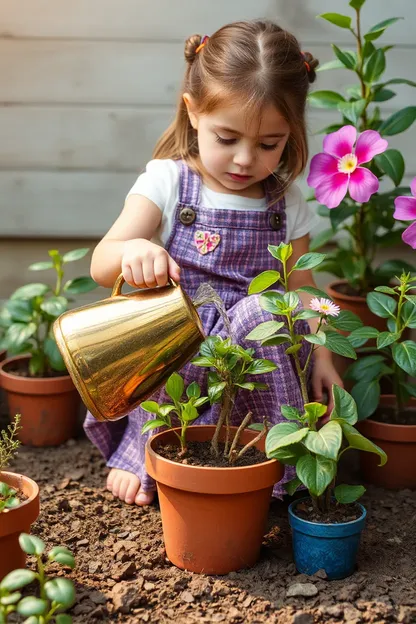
(312, 65)
(191, 46)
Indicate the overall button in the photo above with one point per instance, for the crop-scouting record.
(275, 221)
(187, 216)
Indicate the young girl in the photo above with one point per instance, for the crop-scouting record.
(219, 191)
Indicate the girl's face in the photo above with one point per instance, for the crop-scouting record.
(237, 154)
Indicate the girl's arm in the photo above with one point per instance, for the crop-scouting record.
(126, 248)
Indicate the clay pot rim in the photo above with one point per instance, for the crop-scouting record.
(390, 432)
(293, 505)
(16, 358)
(31, 482)
(342, 296)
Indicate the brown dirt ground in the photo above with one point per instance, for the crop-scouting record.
(122, 573)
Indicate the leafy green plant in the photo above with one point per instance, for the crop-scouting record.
(230, 365)
(55, 594)
(28, 315)
(286, 305)
(8, 449)
(185, 411)
(368, 226)
(315, 451)
(396, 357)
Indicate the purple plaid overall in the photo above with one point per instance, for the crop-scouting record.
(240, 255)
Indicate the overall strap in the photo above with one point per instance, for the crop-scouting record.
(271, 187)
(189, 185)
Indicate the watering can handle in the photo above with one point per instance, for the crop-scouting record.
(120, 281)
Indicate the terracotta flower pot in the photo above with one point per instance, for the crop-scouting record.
(213, 518)
(3, 354)
(399, 442)
(355, 304)
(48, 406)
(16, 521)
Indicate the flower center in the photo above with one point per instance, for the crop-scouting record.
(348, 163)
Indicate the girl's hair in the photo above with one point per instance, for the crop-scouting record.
(251, 64)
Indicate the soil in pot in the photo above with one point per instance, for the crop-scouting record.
(200, 454)
(48, 406)
(337, 514)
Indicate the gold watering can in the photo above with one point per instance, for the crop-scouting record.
(120, 350)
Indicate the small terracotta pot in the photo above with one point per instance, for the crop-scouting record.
(48, 406)
(399, 442)
(213, 519)
(16, 521)
(3, 354)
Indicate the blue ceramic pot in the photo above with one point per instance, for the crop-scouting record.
(331, 547)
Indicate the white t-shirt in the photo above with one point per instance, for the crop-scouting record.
(160, 184)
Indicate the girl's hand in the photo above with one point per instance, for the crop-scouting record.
(146, 265)
(324, 376)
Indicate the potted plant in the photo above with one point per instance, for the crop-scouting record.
(214, 482)
(19, 503)
(37, 384)
(365, 216)
(325, 534)
(56, 595)
(389, 420)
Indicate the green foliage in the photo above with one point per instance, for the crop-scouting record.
(27, 317)
(396, 360)
(56, 594)
(368, 227)
(315, 451)
(8, 449)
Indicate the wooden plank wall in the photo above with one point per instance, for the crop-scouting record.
(87, 87)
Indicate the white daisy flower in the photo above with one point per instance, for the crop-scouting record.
(325, 306)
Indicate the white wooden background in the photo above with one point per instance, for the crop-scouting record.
(87, 86)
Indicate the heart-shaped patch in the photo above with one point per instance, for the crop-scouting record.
(205, 241)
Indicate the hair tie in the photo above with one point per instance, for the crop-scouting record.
(308, 67)
(202, 44)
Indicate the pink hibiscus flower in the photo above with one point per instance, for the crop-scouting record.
(405, 210)
(337, 170)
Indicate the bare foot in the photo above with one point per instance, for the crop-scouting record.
(126, 486)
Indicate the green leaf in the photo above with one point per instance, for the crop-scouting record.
(359, 336)
(150, 406)
(366, 368)
(289, 455)
(321, 239)
(410, 388)
(58, 550)
(203, 361)
(376, 31)
(409, 314)
(80, 285)
(385, 289)
(12, 502)
(343, 21)
(391, 268)
(404, 354)
(358, 441)
(398, 122)
(335, 64)
(290, 413)
(55, 306)
(374, 66)
(345, 409)
(405, 81)
(17, 579)
(292, 485)
(18, 333)
(175, 387)
(32, 606)
(41, 266)
(65, 559)
(346, 321)
(193, 390)
(392, 163)
(319, 338)
(346, 494)
(386, 338)
(152, 424)
(316, 473)
(383, 95)
(347, 58)
(20, 310)
(54, 355)
(32, 619)
(263, 281)
(281, 252)
(311, 290)
(325, 99)
(259, 367)
(356, 4)
(63, 618)
(283, 434)
(189, 413)
(75, 254)
(314, 411)
(306, 314)
(341, 213)
(10, 600)
(339, 344)
(291, 299)
(6, 490)
(31, 544)
(352, 110)
(264, 330)
(293, 349)
(326, 441)
(30, 290)
(215, 391)
(367, 397)
(61, 590)
(273, 341)
(382, 305)
(308, 261)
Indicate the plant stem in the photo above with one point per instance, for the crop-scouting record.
(241, 428)
(253, 442)
(225, 411)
